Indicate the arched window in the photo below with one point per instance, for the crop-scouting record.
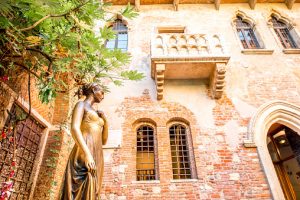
(283, 33)
(180, 152)
(246, 34)
(146, 156)
(283, 145)
(121, 39)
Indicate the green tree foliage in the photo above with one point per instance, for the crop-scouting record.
(48, 38)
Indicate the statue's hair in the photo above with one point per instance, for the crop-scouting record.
(87, 89)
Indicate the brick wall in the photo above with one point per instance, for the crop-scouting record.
(59, 145)
(224, 172)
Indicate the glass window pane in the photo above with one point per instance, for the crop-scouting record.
(110, 44)
(122, 36)
(122, 44)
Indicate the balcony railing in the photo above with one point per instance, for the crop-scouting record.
(188, 56)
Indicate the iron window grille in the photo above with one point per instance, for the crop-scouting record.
(146, 159)
(181, 159)
(121, 39)
(283, 33)
(246, 34)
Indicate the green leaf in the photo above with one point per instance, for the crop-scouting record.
(4, 23)
(132, 75)
(117, 82)
(129, 12)
(107, 33)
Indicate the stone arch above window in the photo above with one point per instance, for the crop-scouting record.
(146, 154)
(244, 17)
(274, 112)
(182, 152)
(284, 30)
(246, 31)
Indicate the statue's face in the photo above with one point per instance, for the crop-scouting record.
(98, 94)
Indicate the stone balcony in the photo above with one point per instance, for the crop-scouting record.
(188, 56)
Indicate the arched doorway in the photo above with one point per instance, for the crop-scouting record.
(284, 147)
(269, 117)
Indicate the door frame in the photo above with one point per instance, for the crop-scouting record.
(272, 112)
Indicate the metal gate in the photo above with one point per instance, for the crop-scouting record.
(28, 137)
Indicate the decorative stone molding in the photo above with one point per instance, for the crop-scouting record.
(188, 56)
(291, 51)
(268, 114)
(114, 17)
(244, 17)
(285, 19)
(258, 51)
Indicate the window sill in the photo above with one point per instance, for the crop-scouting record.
(146, 182)
(184, 180)
(258, 51)
(291, 51)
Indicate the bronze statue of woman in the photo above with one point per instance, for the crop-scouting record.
(84, 172)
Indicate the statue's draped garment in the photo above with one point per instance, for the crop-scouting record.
(80, 184)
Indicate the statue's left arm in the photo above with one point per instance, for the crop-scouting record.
(105, 131)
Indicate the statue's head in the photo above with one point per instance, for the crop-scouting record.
(93, 89)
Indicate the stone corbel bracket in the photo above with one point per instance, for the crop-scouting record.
(160, 78)
(217, 80)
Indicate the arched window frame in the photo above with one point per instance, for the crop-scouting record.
(251, 26)
(290, 27)
(246, 33)
(156, 166)
(117, 28)
(189, 144)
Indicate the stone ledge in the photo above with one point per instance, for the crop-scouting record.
(291, 51)
(184, 180)
(249, 144)
(258, 51)
(146, 182)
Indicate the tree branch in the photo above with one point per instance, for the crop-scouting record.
(53, 16)
(45, 55)
(26, 68)
(41, 52)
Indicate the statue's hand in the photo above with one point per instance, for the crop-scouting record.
(101, 114)
(90, 164)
